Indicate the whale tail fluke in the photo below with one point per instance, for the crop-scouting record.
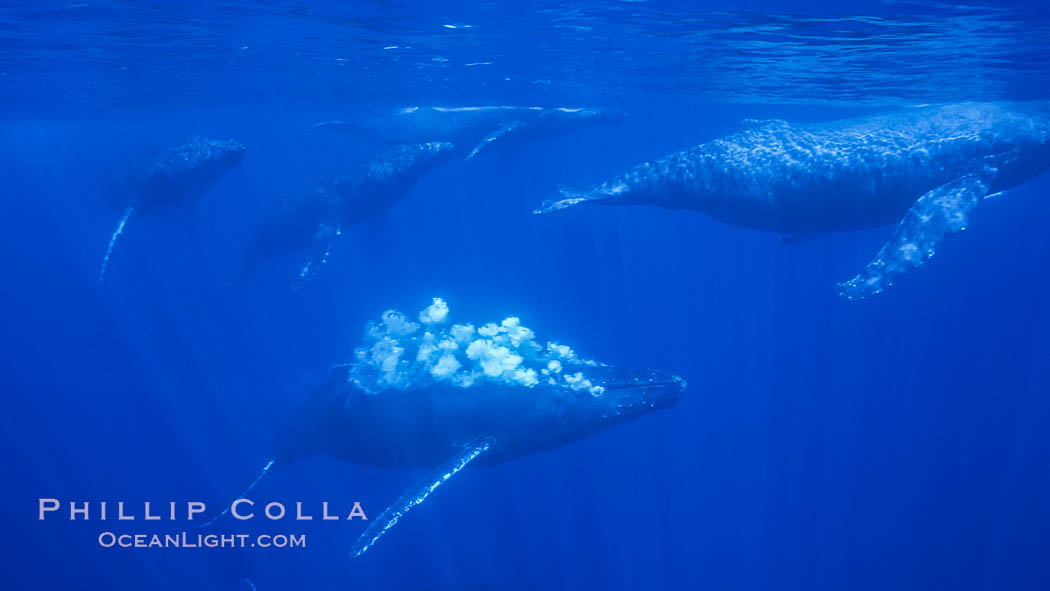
(266, 470)
(113, 240)
(569, 197)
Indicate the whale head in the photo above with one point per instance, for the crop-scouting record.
(196, 162)
(415, 390)
(636, 392)
(434, 149)
(182, 173)
(423, 156)
(416, 426)
(224, 154)
(617, 395)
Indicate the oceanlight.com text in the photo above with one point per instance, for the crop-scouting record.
(189, 540)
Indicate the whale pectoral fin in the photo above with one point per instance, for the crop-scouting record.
(389, 518)
(113, 239)
(505, 131)
(320, 248)
(569, 197)
(265, 470)
(935, 216)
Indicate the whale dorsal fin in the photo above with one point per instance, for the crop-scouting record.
(936, 215)
(389, 518)
(506, 130)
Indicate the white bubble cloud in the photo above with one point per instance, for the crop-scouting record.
(435, 313)
(397, 355)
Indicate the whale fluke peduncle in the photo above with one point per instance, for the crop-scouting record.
(264, 472)
(113, 239)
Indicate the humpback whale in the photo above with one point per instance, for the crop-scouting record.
(427, 395)
(179, 176)
(315, 215)
(925, 168)
(476, 129)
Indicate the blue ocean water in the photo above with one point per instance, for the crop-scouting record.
(898, 442)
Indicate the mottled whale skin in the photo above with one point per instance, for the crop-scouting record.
(444, 428)
(924, 168)
(422, 428)
(178, 177)
(477, 129)
(316, 214)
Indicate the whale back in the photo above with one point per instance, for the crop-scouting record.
(839, 175)
(458, 125)
(318, 210)
(467, 126)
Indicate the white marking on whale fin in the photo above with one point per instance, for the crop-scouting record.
(335, 124)
(506, 130)
(264, 472)
(569, 198)
(247, 585)
(113, 239)
(389, 518)
(936, 215)
(321, 248)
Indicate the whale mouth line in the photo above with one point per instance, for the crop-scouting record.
(645, 383)
(670, 383)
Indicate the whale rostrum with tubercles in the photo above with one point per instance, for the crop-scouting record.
(441, 396)
(924, 168)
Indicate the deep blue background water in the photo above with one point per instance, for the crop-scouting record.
(894, 443)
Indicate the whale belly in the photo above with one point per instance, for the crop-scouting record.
(792, 201)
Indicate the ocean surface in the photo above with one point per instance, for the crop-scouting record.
(900, 442)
